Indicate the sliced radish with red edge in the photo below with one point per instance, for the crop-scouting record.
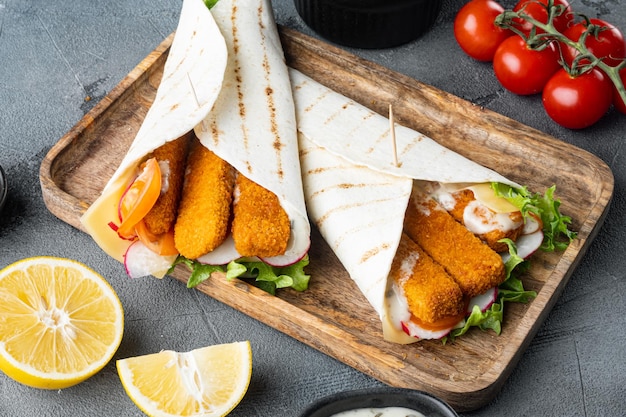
(139, 261)
(483, 301)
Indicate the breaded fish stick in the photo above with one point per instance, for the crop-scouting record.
(490, 227)
(473, 265)
(204, 211)
(260, 225)
(432, 294)
(172, 159)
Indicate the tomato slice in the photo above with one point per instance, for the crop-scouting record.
(139, 198)
(160, 244)
(442, 324)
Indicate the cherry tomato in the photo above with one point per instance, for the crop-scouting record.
(537, 9)
(617, 100)
(577, 102)
(522, 70)
(139, 198)
(609, 44)
(475, 31)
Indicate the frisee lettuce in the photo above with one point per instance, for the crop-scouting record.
(556, 233)
(511, 290)
(268, 278)
(557, 236)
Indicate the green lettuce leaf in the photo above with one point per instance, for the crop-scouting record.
(511, 290)
(199, 272)
(557, 235)
(271, 278)
(266, 277)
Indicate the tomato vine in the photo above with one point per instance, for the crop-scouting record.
(543, 33)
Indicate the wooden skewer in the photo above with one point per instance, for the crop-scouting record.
(193, 90)
(392, 129)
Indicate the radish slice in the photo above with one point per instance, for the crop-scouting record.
(483, 301)
(419, 332)
(291, 256)
(528, 244)
(531, 225)
(284, 260)
(139, 261)
(226, 253)
(222, 255)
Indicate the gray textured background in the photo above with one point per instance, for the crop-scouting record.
(55, 53)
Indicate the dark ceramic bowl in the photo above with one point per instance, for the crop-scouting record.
(4, 188)
(422, 402)
(369, 23)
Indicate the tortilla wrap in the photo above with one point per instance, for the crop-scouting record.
(225, 65)
(355, 193)
(253, 124)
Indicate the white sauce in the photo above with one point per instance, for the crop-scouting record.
(479, 220)
(446, 200)
(380, 412)
(397, 307)
(407, 266)
(164, 166)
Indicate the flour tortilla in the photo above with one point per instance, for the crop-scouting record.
(355, 193)
(253, 124)
(215, 61)
(191, 82)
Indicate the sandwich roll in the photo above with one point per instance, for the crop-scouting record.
(192, 80)
(213, 174)
(413, 232)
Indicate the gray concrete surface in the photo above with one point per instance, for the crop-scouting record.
(54, 53)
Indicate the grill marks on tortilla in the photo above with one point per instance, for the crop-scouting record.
(277, 143)
(271, 103)
(374, 251)
(340, 210)
(383, 138)
(172, 74)
(241, 105)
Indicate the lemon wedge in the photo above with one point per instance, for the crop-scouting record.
(60, 322)
(208, 381)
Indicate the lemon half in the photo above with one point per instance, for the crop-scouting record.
(60, 322)
(208, 381)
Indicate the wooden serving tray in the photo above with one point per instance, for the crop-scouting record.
(332, 315)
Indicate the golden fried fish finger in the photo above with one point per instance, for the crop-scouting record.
(205, 206)
(260, 225)
(490, 227)
(172, 159)
(474, 266)
(431, 293)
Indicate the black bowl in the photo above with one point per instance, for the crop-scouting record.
(369, 23)
(420, 401)
(4, 188)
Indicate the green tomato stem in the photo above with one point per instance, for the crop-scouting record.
(539, 40)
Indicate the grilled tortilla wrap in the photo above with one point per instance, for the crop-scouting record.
(355, 193)
(191, 82)
(253, 124)
(225, 78)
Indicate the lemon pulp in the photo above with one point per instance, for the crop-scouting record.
(208, 381)
(60, 322)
